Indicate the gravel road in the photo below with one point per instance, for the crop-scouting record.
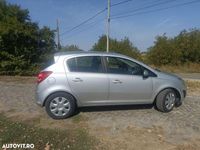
(112, 124)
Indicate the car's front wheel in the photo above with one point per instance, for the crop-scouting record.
(60, 105)
(166, 100)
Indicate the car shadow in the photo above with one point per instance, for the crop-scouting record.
(114, 108)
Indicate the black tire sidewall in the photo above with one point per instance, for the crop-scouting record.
(167, 92)
(60, 94)
(161, 98)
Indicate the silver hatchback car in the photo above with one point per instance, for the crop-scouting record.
(78, 79)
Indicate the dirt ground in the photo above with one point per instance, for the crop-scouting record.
(116, 127)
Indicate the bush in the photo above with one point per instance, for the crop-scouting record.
(183, 48)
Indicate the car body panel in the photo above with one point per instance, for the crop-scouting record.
(89, 87)
(49, 87)
(126, 88)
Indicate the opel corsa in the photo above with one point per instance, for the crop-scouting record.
(78, 79)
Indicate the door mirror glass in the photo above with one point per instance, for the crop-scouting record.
(145, 74)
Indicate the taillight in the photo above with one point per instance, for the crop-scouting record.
(43, 75)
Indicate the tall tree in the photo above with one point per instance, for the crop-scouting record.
(123, 46)
(22, 42)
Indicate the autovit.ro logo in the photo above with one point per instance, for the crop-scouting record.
(17, 146)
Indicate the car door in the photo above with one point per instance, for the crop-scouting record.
(126, 81)
(88, 80)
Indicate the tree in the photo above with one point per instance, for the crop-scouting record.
(163, 52)
(123, 46)
(46, 44)
(183, 48)
(70, 48)
(22, 43)
(188, 42)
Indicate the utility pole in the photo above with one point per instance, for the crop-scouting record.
(58, 36)
(108, 25)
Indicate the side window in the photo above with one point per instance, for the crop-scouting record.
(85, 64)
(151, 74)
(118, 65)
(72, 64)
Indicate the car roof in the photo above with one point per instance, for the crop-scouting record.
(63, 55)
(69, 53)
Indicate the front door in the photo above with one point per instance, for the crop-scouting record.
(126, 82)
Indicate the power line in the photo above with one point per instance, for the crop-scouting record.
(145, 7)
(92, 24)
(160, 9)
(84, 21)
(122, 2)
(95, 15)
(117, 16)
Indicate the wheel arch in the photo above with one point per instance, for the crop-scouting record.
(178, 94)
(76, 102)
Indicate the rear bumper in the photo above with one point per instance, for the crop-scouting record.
(38, 99)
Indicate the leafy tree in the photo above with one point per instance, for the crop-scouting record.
(123, 46)
(182, 48)
(163, 52)
(70, 48)
(22, 43)
(188, 42)
(46, 43)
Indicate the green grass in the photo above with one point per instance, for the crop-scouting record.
(17, 132)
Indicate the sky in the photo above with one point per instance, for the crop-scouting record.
(141, 29)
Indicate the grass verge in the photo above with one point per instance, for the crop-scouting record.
(17, 132)
(183, 68)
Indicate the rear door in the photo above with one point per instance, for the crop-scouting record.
(88, 80)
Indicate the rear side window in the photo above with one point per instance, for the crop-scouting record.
(47, 63)
(85, 64)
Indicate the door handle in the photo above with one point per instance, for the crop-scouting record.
(116, 81)
(77, 80)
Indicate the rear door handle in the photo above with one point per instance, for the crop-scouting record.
(116, 81)
(77, 80)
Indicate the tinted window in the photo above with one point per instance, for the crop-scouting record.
(85, 64)
(122, 66)
(151, 74)
(47, 63)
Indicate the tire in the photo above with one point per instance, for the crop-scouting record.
(60, 105)
(166, 100)
(178, 103)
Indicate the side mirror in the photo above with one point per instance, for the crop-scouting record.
(145, 74)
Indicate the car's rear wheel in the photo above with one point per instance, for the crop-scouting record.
(60, 105)
(166, 100)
